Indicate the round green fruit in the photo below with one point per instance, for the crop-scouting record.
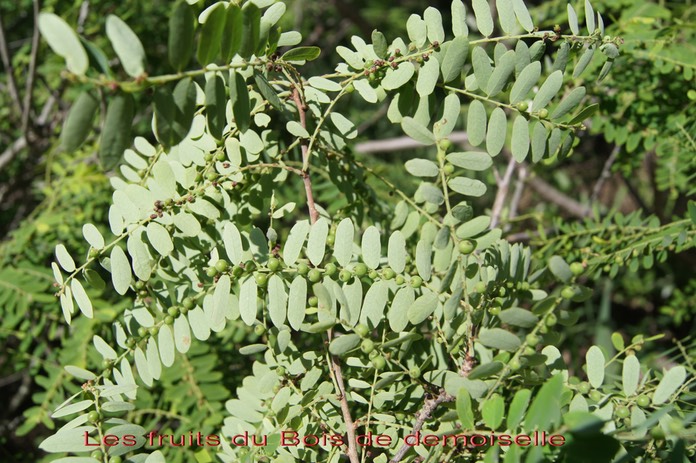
(577, 268)
(116, 459)
(466, 247)
(445, 144)
(154, 330)
(261, 279)
(400, 280)
(360, 270)
(168, 320)
(222, 265)
(349, 88)
(416, 281)
(595, 395)
(330, 269)
(96, 454)
(273, 264)
(522, 106)
(414, 373)
(448, 169)
(584, 388)
(313, 301)
(314, 275)
(93, 416)
(551, 320)
(259, 330)
(532, 339)
(173, 311)
(622, 411)
(543, 113)
(302, 268)
(568, 292)
(643, 401)
(142, 331)
(494, 310)
(345, 276)
(367, 346)
(515, 364)
(379, 362)
(388, 273)
(211, 271)
(362, 330)
(372, 274)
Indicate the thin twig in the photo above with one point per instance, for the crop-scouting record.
(503, 187)
(603, 177)
(517, 194)
(301, 109)
(403, 143)
(31, 73)
(9, 70)
(548, 192)
(428, 408)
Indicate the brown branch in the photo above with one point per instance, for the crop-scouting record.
(402, 143)
(31, 73)
(503, 187)
(548, 192)
(428, 408)
(302, 110)
(603, 177)
(517, 194)
(9, 70)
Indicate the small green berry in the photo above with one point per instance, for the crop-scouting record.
(130, 342)
(494, 310)
(551, 320)
(93, 416)
(388, 273)
(173, 311)
(643, 401)
(568, 292)
(622, 411)
(349, 88)
(522, 106)
(584, 388)
(116, 459)
(577, 268)
(220, 156)
(445, 144)
(212, 176)
(313, 301)
(448, 169)
(302, 268)
(168, 320)
(211, 271)
(139, 284)
(97, 455)
(367, 346)
(466, 247)
(345, 276)
(154, 330)
(107, 364)
(261, 279)
(314, 275)
(259, 330)
(532, 339)
(515, 364)
(657, 433)
(330, 270)
(480, 287)
(221, 265)
(400, 280)
(360, 270)
(543, 113)
(416, 281)
(379, 362)
(188, 303)
(362, 330)
(273, 264)
(595, 395)
(414, 373)
(142, 331)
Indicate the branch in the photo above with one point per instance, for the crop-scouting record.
(503, 187)
(517, 194)
(428, 408)
(31, 73)
(301, 109)
(548, 192)
(12, 150)
(6, 61)
(401, 143)
(603, 177)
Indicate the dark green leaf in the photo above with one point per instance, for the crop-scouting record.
(211, 35)
(239, 97)
(302, 54)
(116, 135)
(215, 105)
(182, 24)
(79, 122)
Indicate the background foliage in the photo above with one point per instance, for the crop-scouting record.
(618, 204)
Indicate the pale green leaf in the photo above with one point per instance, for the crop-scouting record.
(518, 406)
(506, 15)
(467, 186)
(545, 411)
(539, 136)
(454, 58)
(365, 90)
(569, 103)
(297, 302)
(522, 14)
(630, 375)
(277, 300)
(343, 344)
(64, 42)
(422, 307)
(296, 129)
(416, 29)
(81, 298)
(233, 243)
(396, 252)
(296, 239)
(396, 78)
(221, 297)
(316, 244)
(525, 81)
(422, 168)
(459, 26)
(372, 312)
(482, 66)
(573, 20)
(595, 366)
(669, 384)
(497, 131)
(548, 90)
(520, 138)
(493, 411)
(501, 73)
(165, 341)
(343, 242)
(428, 74)
(159, 238)
(498, 338)
(417, 131)
(484, 19)
(371, 247)
(589, 17)
(248, 304)
(560, 269)
(120, 270)
(476, 123)
(64, 259)
(472, 160)
(127, 46)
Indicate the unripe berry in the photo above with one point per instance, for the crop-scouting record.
(345, 276)
(261, 279)
(362, 330)
(259, 330)
(330, 269)
(221, 265)
(273, 264)
(577, 268)
(302, 268)
(313, 301)
(416, 281)
(532, 339)
(522, 106)
(314, 275)
(414, 373)
(584, 388)
(568, 292)
(93, 416)
(543, 113)
(622, 412)
(360, 270)
(367, 346)
(379, 362)
(643, 401)
(173, 311)
(466, 247)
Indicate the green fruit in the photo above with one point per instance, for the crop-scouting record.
(107, 364)
(373, 354)
(222, 265)
(173, 311)
(360, 270)
(261, 279)
(445, 144)
(208, 157)
(367, 346)
(220, 156)
(448, 169)
(362, 330)
(388, 273)
(154, 330)
(495, 310)
(302, 268)
(584, 387)
(643, 401)
(273, 264)
(400, 280)
(349, 88)
(515, 364)
(466, 247)
(414, 373)
(622, 411)
(183, 310)
(379, 362)
(372, 274)
(116, 459)
(532, 339)
(168, 320)
(281, 371)
(330, 269)
(314, 275)
(330, 240)
(657, 433)
(551, 320)
(259, 330)
(142, 331)
(595, 395)
(543, 113)
(577, 268)
(139, 284)
(93, 416)
(313, 301)
(675, 426)
(211, 271)
(522, 106)
(188, 303)
(97, 455)
(480, 287)
(130, 342)
(212, 176)
(416, 282)
(345, 276)
(238, 271)
(568, 292)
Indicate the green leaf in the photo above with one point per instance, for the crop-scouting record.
(79, 122)
(472, 160)
(497, 130)
(233, 33)
(467, 186)
(583, 61)
(396, 252)
(482, 66)
(182, 26)
(277, 300)
(569, 103)
(64, 258)
(379, 44)
(69, 440)
(669, 384)
(518, 317)
(539, 136)
(396, 78)
(343, 242)
(573, 20)
(371, 247)
(80, 373)
(595, 366)
(589, 17)
(518, 406)
(473, 227)
(116, 134)
(548, 90)
(422, 168)
(174, 112)
(297, 302)
(428, 74)
(525, 81)
(221, 297)
(296, 129)
(120, 270)
(159, 238)
(268, 91)
(506, 15)
(476, 123)
(585, 114)
(239, 97)
(248, 305)
(251, 22)
(344, 125)
(302, 54)
(493, 411)
(520, 138)
(344, 344)
(501, 73)
(215, 105)
(424, 250)
(422, 307)
(316, 244)
(372, 312)
(418, 132)
(398, 311)
(127, 46)
(433, 25)
(165, 341)
(64, 42)
(560, 269)
(522, 14)
(498, 338)
(365, 90)
(81, 298)
(454, 58)
(545, 411)
(416, 29)
(459, 27)
(464, 410)
(630, 375)
(293, 245)
(93, 236)
(72, 408)
(485, 370)
(484, 19)
(103, 348)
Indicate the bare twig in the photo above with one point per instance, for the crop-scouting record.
(9, 70)
(402, 143)
(517, 194)
(302, 110)
(603, 177)
(425, 412)
(12, 150)
(548, 192)
(31, 72)
(503, 187)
